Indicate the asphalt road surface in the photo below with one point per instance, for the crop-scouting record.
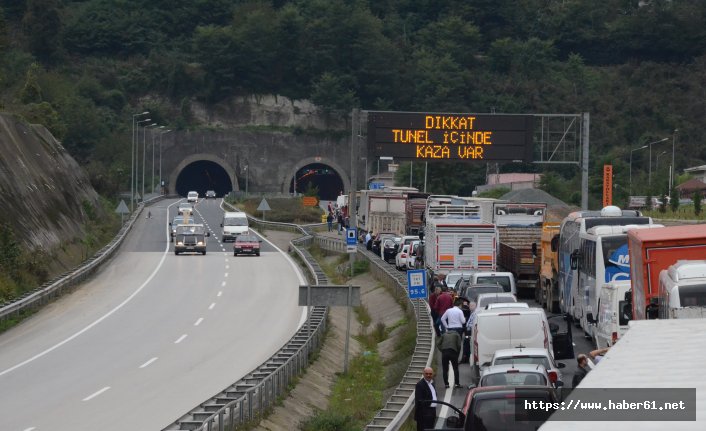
(151, 335)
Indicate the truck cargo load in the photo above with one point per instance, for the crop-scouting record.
(519, 253)
(654, 250)
(459, 244)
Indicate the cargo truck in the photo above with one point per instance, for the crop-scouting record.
(682, 290)
(414, 212)
(654, 250)
(459, 244)
(384, 210)
(519, 254)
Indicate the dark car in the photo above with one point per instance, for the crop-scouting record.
(210, 194)
(504, 408)
(470, 291)
(246, 244)
(390, 246)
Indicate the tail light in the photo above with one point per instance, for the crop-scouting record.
(614, 337)
(404, 255)
(552, 376)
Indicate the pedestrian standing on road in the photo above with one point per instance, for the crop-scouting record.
(450, 345)
(368, 241)
(453, 318)
(469, 311)
(581, 371)
(432, 308)
(339, 219)
(424, 392)
(443, 303)
(329, 221)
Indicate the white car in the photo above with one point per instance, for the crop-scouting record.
(515, 375)
(402, 256)
(192, 197)
(412, 255)
(486, 299)
(506, 305)
(534, 356)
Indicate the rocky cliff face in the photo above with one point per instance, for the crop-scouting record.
(42, 189)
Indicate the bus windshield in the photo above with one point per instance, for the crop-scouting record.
(616, 258)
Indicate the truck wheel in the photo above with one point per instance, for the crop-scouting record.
(176, 253)
(257, 254)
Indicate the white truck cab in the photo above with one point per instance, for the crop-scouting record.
(682, 290)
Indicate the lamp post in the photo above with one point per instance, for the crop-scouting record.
(136, 159)
(160, 157)
(649, 175)
(144, 154)
(247, 175)
(152, 171)
(132, 160)
(657, 164)
(671, 169)
(632, 151)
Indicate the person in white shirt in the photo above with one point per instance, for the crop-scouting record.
(453, 318)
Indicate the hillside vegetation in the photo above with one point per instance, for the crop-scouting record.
(83, 68)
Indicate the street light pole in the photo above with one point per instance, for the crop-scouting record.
(152, 171)
(144, 154)
(247, 177)
(160, 158)
(671, 173)
(649, 175)
(632, 151)
(132, 161)
(136, 157)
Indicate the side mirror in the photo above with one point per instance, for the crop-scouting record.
(559, 384)
(221, 224)
(170, 223)
(560, 365)
(208, 233)
(259, 240)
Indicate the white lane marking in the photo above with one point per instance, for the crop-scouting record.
(100, 319)
(223, 284)
(226, 274)
(447, 398)
(198, 322)
(227, 266)
(180, 339)
(220, 293)
(95, 394)
(210, 307)
(147, 364)
(30, 429)
(226, 259)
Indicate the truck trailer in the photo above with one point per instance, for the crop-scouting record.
(654, 250)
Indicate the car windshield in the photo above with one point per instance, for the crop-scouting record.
(525, 359)
(190, 230)
(235, 221)
(503, 414)
(246, 238)
(501, 280)
(513, 379)
(451, 279)
(495, 300)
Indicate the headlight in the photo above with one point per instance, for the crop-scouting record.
(200, 243)
(179, 243)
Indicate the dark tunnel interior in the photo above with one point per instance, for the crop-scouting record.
(201, 176)
(318, 175)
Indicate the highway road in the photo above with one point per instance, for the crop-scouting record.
(151, 335)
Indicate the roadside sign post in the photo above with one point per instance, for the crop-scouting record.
(417, 283)
(264, 206)
(332, 295)
(122, 210)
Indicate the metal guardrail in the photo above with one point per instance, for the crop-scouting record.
(64, 282)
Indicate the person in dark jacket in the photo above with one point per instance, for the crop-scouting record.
(450, 345)
(424, 391)
(581, 371)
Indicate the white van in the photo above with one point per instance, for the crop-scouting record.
(504, 279)
(234, 224)
(192, 197)
(612, 320)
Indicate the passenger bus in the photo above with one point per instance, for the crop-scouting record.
(602, 257)
(570, 232)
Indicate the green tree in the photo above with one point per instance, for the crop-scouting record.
(697, 202)
(42, 25)
(663, 203)
(674, 201)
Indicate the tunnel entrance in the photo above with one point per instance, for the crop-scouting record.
(320, 176)
(201, 176)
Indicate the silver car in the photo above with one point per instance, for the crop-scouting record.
(514, 375)
(532, 356)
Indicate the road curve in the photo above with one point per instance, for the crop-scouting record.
(150, 336)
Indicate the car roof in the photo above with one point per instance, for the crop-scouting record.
(496, 295)
(496, 305)
(491, 392)
(521, 351)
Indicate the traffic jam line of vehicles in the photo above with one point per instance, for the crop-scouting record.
(597, 270)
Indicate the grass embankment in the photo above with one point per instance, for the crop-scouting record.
(685, 213)
(285, 210)
(360, 394)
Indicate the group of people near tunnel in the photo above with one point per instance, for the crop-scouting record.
(337, 215)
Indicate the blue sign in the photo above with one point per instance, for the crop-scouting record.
(417, 283)
(376, 186)
(351, 236)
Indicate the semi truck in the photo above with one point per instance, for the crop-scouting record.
(652, 355)
(653, 251)
(414, 212)
(384, 210)
(682, 290)
(548, 287)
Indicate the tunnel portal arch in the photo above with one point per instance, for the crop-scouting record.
(321, 171)
(201, 172)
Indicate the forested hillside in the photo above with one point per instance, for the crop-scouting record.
(83, 68)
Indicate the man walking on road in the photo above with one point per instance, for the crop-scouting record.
(425, 411)
(450, 345)
(453, 318)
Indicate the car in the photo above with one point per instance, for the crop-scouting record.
(515, 375)
(401, 258)
(390, 246)
(190, 238)
(176, 221)
(501, 407)
(378, 241)
(496, 305)
(246, 244)
(185, 207)
(471, 291)
(192, 197)
(485, 299)
(453, 277)
(530, 355)
(210, 194)
(412, 260)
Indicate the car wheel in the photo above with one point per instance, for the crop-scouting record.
(257, 254)
(235, 254)
(176, 253)
(203, 252)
